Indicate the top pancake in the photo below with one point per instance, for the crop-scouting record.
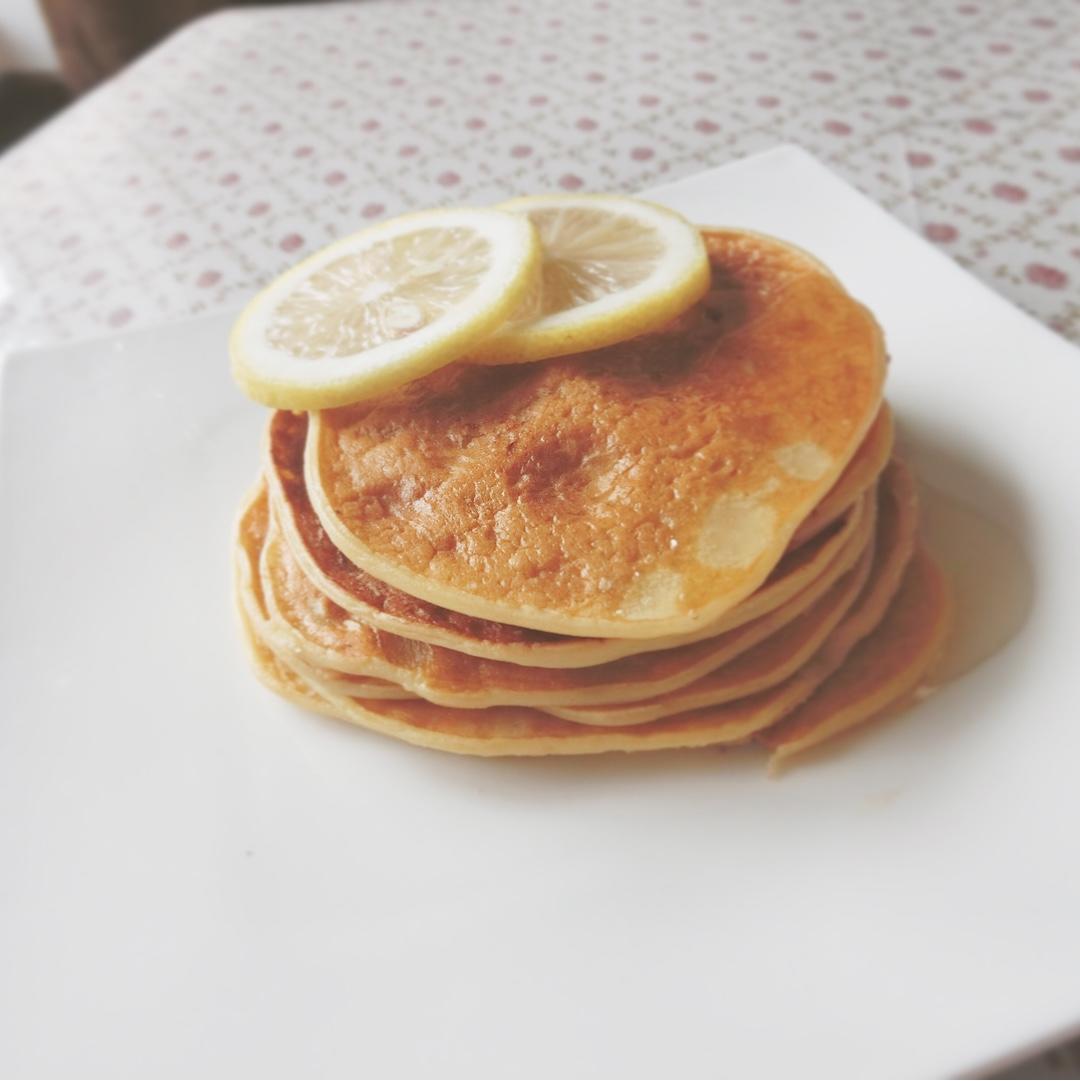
(636, 491)
(380, 605)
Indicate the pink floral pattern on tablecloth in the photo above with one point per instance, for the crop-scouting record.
(254, 136)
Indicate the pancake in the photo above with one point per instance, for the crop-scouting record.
(793, 645)
(508, 730)
(758, 668)
(518, 731)
(884, 668)
(859, 475)
(321, 634)
(389, 609)
(881, 667)
(637, 491)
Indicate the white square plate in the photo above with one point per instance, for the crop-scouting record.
(200, 879)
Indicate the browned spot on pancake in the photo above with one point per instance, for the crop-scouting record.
(552, 469)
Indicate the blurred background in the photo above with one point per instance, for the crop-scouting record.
(31, 88)
(53, 50)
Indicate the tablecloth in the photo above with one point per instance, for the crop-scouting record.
(253, 136)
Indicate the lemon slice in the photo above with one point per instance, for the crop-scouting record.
(383, 306)
(614, 267)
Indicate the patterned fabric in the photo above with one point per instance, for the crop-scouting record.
(254, 136)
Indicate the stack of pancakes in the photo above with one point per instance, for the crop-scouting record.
(695, 537)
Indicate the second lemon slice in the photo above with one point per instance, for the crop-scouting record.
(384, 306)
(613, 267)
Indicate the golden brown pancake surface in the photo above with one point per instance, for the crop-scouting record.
(636, 491)
(391, 609)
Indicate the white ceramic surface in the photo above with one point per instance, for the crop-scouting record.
(198, 878)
